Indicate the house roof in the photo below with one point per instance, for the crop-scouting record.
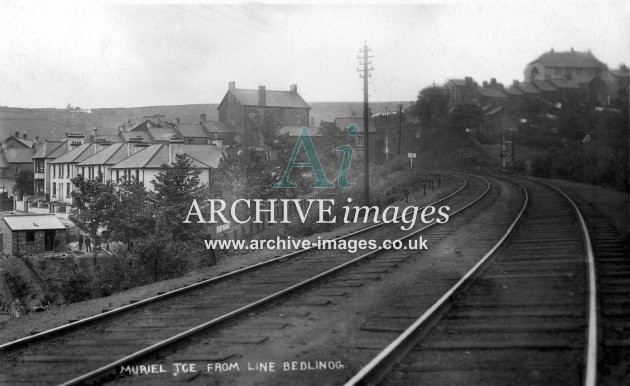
(194, 130)
(18, 155)
(111, 155)
(544, 85)
(143, 136)
(513, 91)
(569, 59)
(33, 222)
(22, 141)
(217, 127)
(108, 138)
(494, 110)
(295, 131)
(528, 88)
(154, 156)
(491, 92)
(47, 148)
(163, 133)
(273, 98)
(343, 123)
(460, 82)
(75, 155)
(621, 73)
(564, 83)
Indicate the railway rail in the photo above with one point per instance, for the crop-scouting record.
(124, 334)
(525, 314)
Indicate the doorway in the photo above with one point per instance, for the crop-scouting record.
(49, 241)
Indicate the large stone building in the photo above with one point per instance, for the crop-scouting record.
(248, 112)
(575, 65)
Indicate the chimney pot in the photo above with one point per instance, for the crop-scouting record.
(493, 81)
(24, 135)
(293, 88)
(17, 134)
(262, 96)
(468, 80)
(232, 85)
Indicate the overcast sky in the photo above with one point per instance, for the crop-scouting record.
(112, 54)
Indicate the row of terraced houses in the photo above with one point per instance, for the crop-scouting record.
(553, 77)
(139, 150)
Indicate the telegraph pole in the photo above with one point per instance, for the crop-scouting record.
(364, 61)
(399, 127)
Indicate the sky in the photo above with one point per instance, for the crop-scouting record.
(125, 54)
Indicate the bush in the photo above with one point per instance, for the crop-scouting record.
(17, 285)
(77, 289)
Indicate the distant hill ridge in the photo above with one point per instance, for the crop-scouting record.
(48, 123)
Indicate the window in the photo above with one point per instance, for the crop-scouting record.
(17, 170)
(54, 186)
(117, 175)
(30, 236)
(68, 170)
(54, 170)
(39, 166)
(60, 171)
(83, 171)
(137, 175)
(67, 189)
(190, 140)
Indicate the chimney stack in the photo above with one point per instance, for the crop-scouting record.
(177, 121)
(293, 88)
(94, 132)
(262, 96)
(468, 80)
(232, 85)
(202, 118)
(17, 134)
(24, 136)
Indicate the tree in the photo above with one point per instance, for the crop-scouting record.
(23, 183)
(432, 104)
(466, 116)
(176, 186)
(247, 173)
(130, 217)
(94, 201)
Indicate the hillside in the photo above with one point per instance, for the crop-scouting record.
(53, 123)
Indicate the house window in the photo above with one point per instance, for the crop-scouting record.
(137, 175)
(54, 186)
(117, 175)
(67, 189)
(83, 171)
(68, 170)
(60, 171)
(30, 236)
(39, 166)
(190, 140)
(54, 170)
(359, 140)
(17, 170)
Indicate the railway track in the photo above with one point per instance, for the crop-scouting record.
(339, 318)
(612, 265)
(525, 316)
(94, 346)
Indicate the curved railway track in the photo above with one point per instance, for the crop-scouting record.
(122, 335)
(526, 314)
